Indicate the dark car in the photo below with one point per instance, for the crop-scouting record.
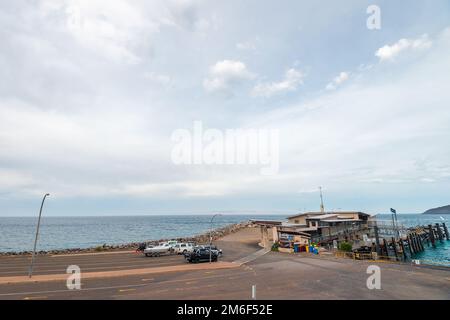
(363, 253)
(201, 254)
(213, 247)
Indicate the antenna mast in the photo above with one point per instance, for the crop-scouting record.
(322, 209)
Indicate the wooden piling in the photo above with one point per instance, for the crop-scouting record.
(409, 245)
(431, 235)
(439, 232)
(395, 249)
(416, 250)
(419, 242)
(386, 248)
(416, 243)
(416, 238)
(446, 231)
(402, 246)
(377, 240)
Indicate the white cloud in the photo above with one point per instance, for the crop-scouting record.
(79, 118)
(338, 80)
(389, 52)
(121, 31)
(112, 30)
(292, 79)
(225, 74)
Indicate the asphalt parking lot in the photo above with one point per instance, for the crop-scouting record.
(276, 276)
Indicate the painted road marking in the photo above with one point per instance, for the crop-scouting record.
(108, 268)
(126, 290)
(65, 290)
(121, 286)
(90, 254)
(148, 279)
(87, 262)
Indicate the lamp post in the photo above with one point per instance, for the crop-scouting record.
(210, 234)
(395, 222)
(30, 273)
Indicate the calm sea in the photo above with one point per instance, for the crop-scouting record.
(17, 234)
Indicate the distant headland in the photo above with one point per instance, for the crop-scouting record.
(439, 210)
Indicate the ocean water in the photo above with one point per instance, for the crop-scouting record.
(438, 255)
(17, 234)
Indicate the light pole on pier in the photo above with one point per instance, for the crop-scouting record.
(30, 273)
(210, 234)
(395, 222)
(322, 208)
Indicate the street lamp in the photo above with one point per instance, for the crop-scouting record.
(210, 235)
(30, 273)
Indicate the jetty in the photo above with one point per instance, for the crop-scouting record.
(403, 243)
(364, 237)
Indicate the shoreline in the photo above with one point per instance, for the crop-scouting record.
(198, 238)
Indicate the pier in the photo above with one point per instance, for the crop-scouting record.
(403, 244)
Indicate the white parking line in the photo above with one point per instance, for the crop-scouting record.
(66, 290)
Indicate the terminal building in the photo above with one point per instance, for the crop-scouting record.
(324, 228)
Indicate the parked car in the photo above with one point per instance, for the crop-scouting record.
(363, 253)
(162, 248)
(172, 243)
(201, 254)
(213, 248)
(183, 248)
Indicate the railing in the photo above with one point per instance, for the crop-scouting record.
(343, 232)
(380, 258)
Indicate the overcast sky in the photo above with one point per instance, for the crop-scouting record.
(91, 92)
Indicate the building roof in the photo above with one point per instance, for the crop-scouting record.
(304, 214)
(322, 216)
(267, 222)
(288, 224)
(326, 213)
(342, 220)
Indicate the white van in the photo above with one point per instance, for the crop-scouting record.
(182, 248)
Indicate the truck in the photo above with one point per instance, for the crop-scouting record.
(156, 251)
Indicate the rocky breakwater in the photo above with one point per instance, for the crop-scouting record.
(198, 239)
